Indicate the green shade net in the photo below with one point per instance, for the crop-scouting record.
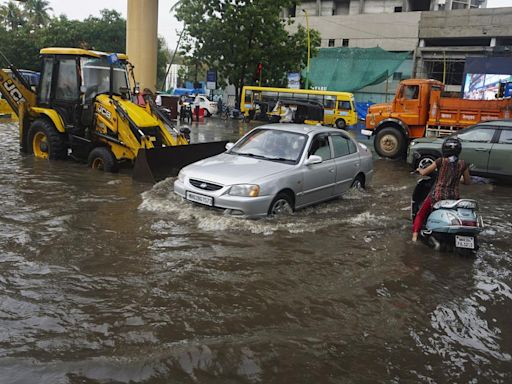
(350, 69)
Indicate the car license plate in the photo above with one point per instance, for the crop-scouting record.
(465, 242)
(201, 199)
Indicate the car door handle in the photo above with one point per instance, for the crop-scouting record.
(331, 170)
(481, 149)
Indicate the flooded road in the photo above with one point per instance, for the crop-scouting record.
(105, 280)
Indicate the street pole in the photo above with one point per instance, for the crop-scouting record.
(309, 49)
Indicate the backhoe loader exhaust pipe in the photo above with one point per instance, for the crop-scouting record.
(156, 164)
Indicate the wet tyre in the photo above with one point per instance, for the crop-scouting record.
(281, 205)
(390, 142)
(102, 159)
(45, 142)
(341, 124)
(425, 161)
(358, 183)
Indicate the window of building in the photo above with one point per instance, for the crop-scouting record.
(331, 42)
(292, 11)
(451, 70)
(397, 76)
(344, 42)
(398, 9)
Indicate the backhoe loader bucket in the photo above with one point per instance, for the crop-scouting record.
(153, 165)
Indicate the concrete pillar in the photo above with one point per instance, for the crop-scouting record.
(318, 7)
(361, 6)
(141, 40)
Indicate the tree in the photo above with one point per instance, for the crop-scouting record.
(234, 36)
(12, 16)
(37, 11)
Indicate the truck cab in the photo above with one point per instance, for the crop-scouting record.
(405, 117)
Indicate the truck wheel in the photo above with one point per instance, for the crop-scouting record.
(101, 158)
(341, 124)
(45, 142)
(389, 142)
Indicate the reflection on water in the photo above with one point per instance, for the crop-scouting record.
(106, 280)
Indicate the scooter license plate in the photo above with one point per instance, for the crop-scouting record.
(465, 242)
(201, 199)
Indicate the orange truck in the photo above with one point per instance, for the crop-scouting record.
(418, 110)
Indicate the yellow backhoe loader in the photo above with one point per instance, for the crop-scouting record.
(83, 109)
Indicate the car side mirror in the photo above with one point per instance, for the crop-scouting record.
(313, 159)
(229, 146)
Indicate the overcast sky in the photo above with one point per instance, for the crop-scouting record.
(168, 26)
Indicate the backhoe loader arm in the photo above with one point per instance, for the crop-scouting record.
(15, 89)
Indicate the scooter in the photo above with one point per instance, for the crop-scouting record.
(453, 225)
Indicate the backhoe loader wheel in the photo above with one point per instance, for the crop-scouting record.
(45, 142)
(101, 158)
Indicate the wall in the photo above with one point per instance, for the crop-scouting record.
(391, 31)
(490, 22)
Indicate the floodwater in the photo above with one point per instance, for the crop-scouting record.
(105, 280)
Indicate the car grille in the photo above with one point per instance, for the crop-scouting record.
(205, 185)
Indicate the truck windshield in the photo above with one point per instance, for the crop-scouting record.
(96, 77)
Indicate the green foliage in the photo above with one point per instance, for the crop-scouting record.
(234, 36)
(23, 33)
(163, 58)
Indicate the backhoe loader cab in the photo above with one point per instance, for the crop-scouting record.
(83, 110)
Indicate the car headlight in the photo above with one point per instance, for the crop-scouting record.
(247, 190)
(181, 176)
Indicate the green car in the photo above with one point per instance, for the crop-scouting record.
(487, 146)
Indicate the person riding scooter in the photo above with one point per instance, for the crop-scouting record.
(450, 170)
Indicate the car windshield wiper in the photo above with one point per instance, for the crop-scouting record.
(248, 154)
(279, 159)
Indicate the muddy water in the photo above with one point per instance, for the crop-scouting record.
(103, 280)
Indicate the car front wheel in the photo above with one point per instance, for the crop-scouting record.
(425, 161)
(281, 205)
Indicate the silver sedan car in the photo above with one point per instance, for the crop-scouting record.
(276, 169)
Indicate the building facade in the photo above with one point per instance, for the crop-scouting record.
(439, 34)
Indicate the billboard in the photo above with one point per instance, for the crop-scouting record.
(294, 80)
(483, 75)
(483, 86)
(211, 79)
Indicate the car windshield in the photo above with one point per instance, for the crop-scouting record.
(270, 144)
(96, 76)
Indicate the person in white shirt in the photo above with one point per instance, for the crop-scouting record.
(197, 103)
(287, 115)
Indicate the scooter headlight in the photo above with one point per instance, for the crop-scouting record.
(246, 190)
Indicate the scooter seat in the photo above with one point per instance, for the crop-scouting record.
(452, 204)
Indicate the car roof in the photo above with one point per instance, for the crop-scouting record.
(298, 128)
(499, 123)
